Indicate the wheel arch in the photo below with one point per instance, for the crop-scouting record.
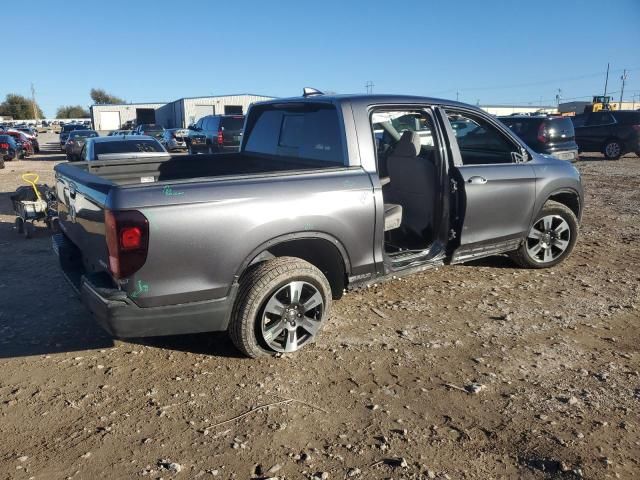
(567, 197)
(320, 249)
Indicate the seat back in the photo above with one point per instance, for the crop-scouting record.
(413, 183)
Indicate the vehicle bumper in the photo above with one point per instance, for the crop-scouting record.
(121, 317)
(568, 155)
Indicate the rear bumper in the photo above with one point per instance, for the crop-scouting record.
(121, 317)
(568, 155)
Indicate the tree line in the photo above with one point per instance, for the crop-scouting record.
(22, 108)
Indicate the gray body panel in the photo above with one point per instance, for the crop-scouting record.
(203, 232)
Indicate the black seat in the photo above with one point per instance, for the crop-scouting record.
(413, 184)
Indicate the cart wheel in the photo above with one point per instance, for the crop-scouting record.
(28, 229)
(19, 224)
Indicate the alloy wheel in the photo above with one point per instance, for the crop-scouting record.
(612, 150)
(548, 239)
(292, 316)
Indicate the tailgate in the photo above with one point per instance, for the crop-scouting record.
(81, 201)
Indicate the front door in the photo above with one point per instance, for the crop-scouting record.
(497, 186)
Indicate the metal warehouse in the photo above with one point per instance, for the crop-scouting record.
(177, 114)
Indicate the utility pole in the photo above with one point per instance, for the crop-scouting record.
(33, 103)
(624, 79)
(457, 95)
(558, 96)
(606, 80)
(369, 86)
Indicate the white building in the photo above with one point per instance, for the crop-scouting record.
(499, 110)
(177, 114)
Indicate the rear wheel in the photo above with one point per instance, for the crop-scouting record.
(19, 223)
(282, 305)
(551, 238)
(28, 229)
(637, 153)
(612, 150)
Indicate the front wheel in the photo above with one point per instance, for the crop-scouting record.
(282, 305)
(612, 150)
(551, 238)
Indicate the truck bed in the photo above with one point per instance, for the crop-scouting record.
(183, 167)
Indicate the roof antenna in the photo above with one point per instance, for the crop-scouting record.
(310, 92)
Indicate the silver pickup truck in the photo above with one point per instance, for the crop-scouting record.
(326, 193)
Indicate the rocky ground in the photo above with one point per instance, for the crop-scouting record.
(476, 371)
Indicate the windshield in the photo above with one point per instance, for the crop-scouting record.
(128, 146)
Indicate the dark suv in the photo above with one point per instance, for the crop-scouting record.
(216, 133)
(150, 129)
(552, 135)
(608, 132)
(66, 130)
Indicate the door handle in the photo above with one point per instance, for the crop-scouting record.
(477, 180)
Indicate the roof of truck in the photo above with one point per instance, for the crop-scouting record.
(368, 99)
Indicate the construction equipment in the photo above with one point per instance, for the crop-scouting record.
(600, 102)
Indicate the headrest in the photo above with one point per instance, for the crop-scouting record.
(409, 145)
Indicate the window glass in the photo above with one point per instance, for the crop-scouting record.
(309, 131)
(398, 122)
(479, 141)
(600, 118)
(579, 120)
(127, 146)
(233, 123)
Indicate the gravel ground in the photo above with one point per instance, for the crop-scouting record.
(476, 371)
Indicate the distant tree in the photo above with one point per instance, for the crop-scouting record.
(72, 111)
(19, 107)
(98, 95)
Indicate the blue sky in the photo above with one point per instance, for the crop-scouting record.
(491, 51)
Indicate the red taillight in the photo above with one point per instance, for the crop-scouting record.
(127, 235)
(130, 238)
(4, 145)
(220, 137)
(542, 133)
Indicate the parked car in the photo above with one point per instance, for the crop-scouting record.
(262, 240)
(32, 138)
(612, 133)
(25, 148)
(66, 130)
(9, 149)
(76, 141)
(120, 147)
(552, 135)
(216, 133)
(175, 139)
(149, 129)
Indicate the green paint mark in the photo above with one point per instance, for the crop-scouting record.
(168, 191)
(142, 288)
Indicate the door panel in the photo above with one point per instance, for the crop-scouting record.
(498, 202)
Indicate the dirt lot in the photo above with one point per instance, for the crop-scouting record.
(381, 395)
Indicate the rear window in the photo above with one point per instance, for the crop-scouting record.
(628, 118)
(83, 134)
(152, 128)
(560, 127)
(522, 125)
(233, 123)
(127, 146)
(301, 131)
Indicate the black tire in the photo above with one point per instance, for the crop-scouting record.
(28, 229)
(257, 285)
(637, 153)
(1, 163)
(19, 223)
(523, 257)
(612, 149)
